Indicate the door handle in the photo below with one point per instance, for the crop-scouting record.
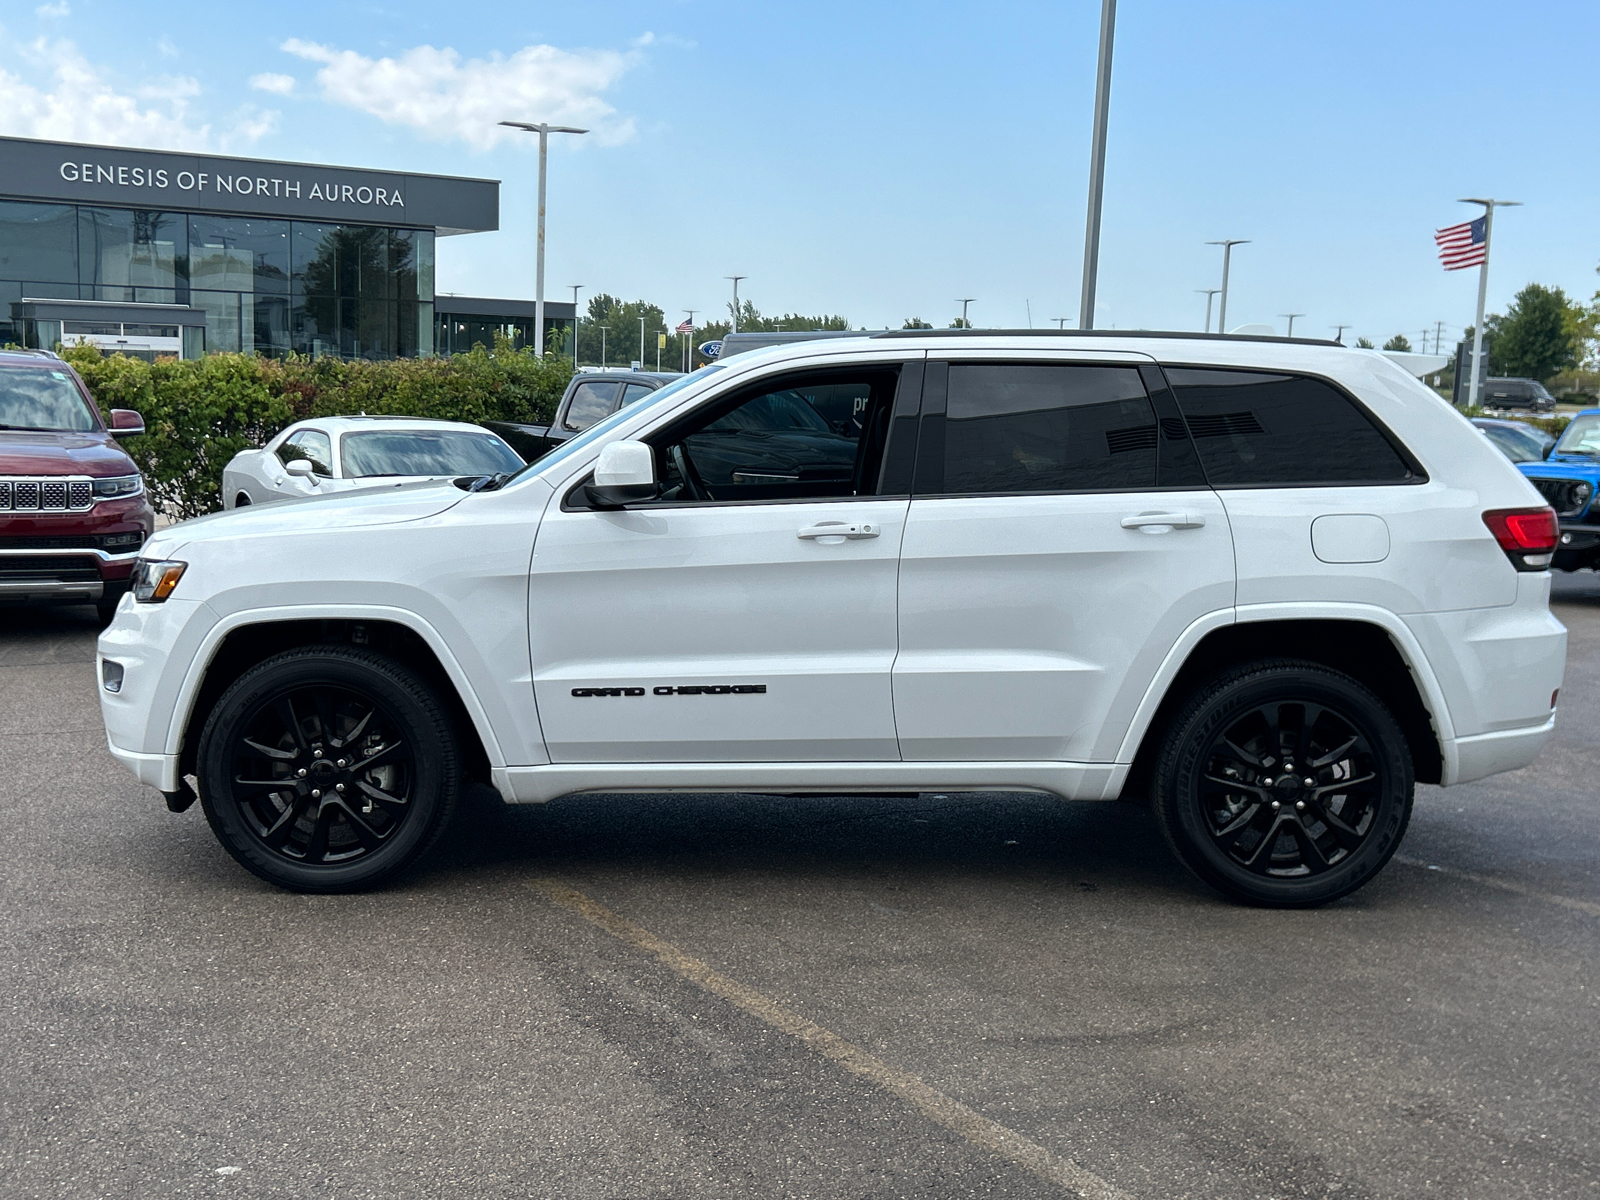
(1163, 521)
(839, 529)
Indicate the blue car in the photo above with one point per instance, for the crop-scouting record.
(1568, 479)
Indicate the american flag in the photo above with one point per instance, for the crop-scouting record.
(1462, 245)
(686, 327)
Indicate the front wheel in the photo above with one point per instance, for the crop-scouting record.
(328, 769)
(1284, 784)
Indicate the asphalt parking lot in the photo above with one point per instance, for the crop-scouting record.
(636, 996)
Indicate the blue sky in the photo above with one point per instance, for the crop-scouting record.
(881, 159)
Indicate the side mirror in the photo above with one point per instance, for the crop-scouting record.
(126, 423)
(624, 474)
(301, 468)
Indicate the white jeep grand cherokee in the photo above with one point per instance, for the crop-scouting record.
(1269, 584)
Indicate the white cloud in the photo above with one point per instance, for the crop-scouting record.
(59, 9)
(269, 81)
(445, 96)
(59, 94)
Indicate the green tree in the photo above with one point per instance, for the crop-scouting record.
(1398, 342)
(1537, 337)
(620, 343)
(916, 323)
(960, 323)
(1364, 344)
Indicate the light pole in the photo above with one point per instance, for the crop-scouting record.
(1227, 245)
(734, 324)
(1338, 334)
(574, 287)
(544, 129)
(641, 343)
(1483, 290)
(1097, 164)
(688, 352)
(602, 329)
(965, 324)
(1061, 322)
(1291, 317)
(1208, 293)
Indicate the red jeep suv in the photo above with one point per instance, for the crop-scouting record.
(73, 511)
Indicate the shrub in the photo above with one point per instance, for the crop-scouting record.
(201, 412)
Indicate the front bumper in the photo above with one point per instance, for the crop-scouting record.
(62, 576)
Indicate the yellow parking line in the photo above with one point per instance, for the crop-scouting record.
(1505, 885)
(952, 1114)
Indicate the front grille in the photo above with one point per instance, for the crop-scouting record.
(111, 543)
(1566, 496)
(48, 567)
(46, 495)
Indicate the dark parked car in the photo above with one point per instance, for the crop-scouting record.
(1502, 395)
(73, 511)
(590, 396)
(1518, 441)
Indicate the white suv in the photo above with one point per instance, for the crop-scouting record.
(1269, 584)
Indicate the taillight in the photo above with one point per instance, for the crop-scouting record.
(1527, 535)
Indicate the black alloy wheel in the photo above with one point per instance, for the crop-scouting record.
(1285, 784)
(327, 768)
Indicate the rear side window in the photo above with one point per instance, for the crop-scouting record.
(1034, 427)
(634, 391)
(591, 400)
(1266, 429)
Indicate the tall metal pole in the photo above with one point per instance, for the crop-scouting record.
(688, 345)
(1097, 164)
(1208, 293)
(965, 324)
(574, 287)
(1291, 317)
(1227, 245)
(734, 324)
(544, 129)
(1339, 333)
(602, 329)
(641, 343)
(1478, 373)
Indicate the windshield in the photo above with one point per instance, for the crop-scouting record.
(1582, 436)
(1515, 444)
(34, 398)
(599, 430)
(425, 452)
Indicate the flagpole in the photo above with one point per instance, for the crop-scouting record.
(1478, 373)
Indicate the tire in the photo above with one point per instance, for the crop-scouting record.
(1224, 782)
(290, 807)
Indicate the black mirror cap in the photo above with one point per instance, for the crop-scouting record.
(620, 495)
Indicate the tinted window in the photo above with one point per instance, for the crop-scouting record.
(1252, 427)
(810, 438)
(634, 391)
(429, 452)
(38, 398)
(1038, 428)
(312, 445)
(591, 400)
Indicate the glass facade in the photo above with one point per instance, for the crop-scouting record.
(457, 333)
(268, 287)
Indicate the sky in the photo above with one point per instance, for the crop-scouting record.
(882, 160)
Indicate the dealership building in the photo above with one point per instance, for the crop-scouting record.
(154, 253)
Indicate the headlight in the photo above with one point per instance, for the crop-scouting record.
(153, 579)
(118, 488)
(1581, 491)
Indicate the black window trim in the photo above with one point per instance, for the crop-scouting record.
(930, 443)
(290, 441)
(1418, 476)
(909, 383)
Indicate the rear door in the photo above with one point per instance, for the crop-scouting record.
(1060, 540)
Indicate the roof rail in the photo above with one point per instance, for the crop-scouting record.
(1188, 336)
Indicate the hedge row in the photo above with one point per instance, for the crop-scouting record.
(201, 412)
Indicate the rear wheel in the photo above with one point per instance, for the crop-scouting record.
(328, 769)
(1284, 784)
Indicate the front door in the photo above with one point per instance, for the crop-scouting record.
(1060, 540)
(748, 614)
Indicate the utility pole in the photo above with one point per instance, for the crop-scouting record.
(965, 324)
(1478, 373)
(734, 324)
(1208, 293)
(688, 343)
(1339, 333)
(1097, 164)
(1291, 317)
(1227, 245)
(602, 329)
(574, 287)
(1438, 333)
(544, 129)
(641, 343)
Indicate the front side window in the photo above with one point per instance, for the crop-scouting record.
(1036, 427)
(1582, 436)
(591, 400)
(312, 445)
(815, 436)
(32, 398)
(425, 452)
(1264, 429)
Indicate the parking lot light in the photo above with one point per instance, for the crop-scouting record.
(544, 129)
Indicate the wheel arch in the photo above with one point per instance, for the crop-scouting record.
(1372, 647)
(239, 643)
